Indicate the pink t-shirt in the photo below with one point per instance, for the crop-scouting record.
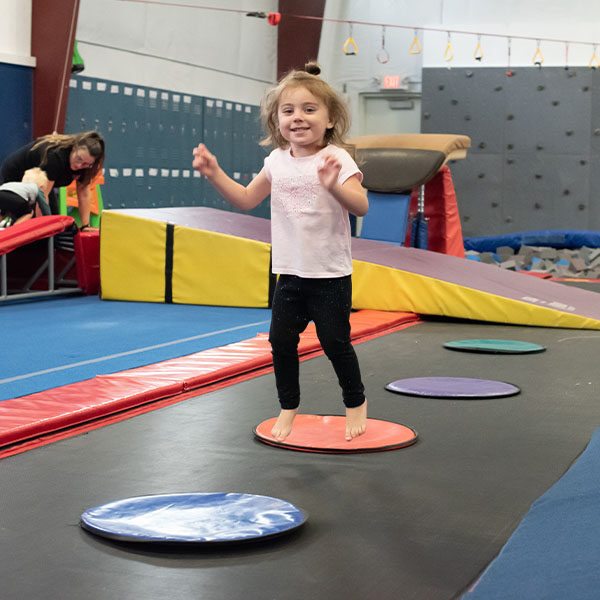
(310, 229)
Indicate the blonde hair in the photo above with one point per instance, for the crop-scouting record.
(37, 176)
(339, 114)
(91, 140)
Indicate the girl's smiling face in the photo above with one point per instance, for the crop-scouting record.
(303, 120)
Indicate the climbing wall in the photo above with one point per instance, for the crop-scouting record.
(150, 134)
(534, 161)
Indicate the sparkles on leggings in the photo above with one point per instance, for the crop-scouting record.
(327, 302)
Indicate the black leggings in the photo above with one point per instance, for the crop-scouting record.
(13, 205)
(327, 302)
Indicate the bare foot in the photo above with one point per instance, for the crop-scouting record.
(283, 425)
(356, 421)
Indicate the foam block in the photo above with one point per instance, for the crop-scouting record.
(198, 256)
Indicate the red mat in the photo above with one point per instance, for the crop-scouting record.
(32, 230)
(68, 406)
(326, 433)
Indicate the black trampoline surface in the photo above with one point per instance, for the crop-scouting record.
(417, 523)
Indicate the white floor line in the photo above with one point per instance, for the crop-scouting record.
(137, 351)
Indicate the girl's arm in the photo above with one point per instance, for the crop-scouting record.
(351, 194)
(244, 198)
(24, 218)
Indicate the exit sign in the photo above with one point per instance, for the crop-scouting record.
(391, 82)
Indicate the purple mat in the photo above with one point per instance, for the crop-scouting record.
(452, 387)
(451, 269)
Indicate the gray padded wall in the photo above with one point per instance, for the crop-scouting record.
(150, 134)
(534, 161)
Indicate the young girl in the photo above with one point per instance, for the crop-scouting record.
(314, 184)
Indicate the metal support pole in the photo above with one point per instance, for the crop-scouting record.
(3, 273)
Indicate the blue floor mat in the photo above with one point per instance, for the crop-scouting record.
(553, 554)
(61, 341)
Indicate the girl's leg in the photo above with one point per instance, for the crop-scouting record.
(288, 320)
(329, 306)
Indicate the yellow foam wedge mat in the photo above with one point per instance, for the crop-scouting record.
(132, 258)
(219, 269)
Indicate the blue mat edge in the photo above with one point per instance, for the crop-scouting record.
(553, 238)
(545, 558)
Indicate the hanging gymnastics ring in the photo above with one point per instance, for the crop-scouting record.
(415, 47)
(350, 47)
(594, 61)
(383, 56)
(538, 57)
(478, 54)
(509, 73)
(448, 53)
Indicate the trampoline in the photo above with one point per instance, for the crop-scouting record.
(425, 521)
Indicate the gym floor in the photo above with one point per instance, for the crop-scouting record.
(421, 522)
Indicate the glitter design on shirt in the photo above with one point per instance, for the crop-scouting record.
(298, 193)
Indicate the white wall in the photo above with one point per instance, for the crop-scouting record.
(204, 52)
(231, 56)
(576, 20)
(572, 20)
(15, 32)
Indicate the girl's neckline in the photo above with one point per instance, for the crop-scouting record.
(308, 156)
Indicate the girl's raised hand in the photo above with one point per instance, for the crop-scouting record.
(329, 171)
(205, 162)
